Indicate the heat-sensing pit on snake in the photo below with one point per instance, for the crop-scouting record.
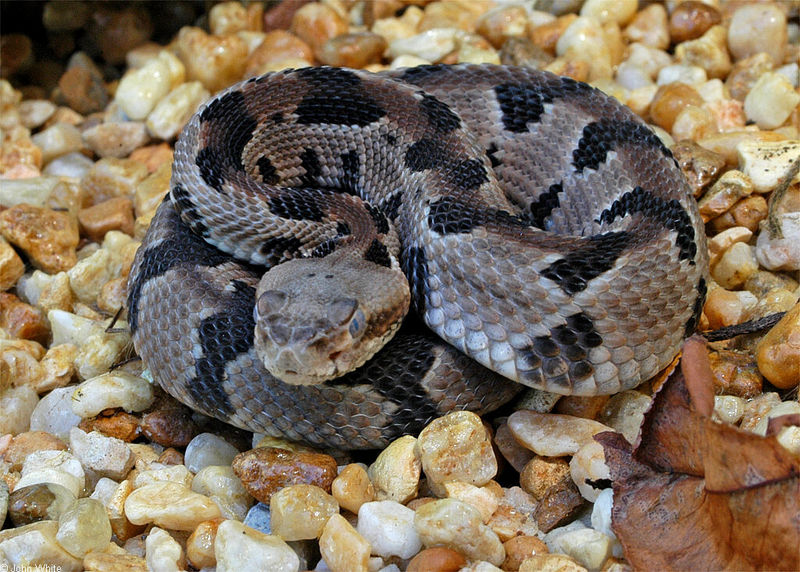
(534, 224)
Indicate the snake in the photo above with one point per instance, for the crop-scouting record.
(344, 256)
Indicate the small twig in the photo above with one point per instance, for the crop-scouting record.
(773, 225)
(749, 327)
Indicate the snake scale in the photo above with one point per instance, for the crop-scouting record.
(535, 225)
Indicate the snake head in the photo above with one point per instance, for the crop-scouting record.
(317, 319)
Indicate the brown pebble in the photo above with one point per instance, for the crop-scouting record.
(81, 86)
(519, 548)
(171, 456)
(22, 320)
(119, 424)
(745, 73)
(112, 295)
(735, 373)
(26, 443)
(548, 480)
(266, 470)
(153, 156)
(113, 214)
(546, 35)
(353, 50)
(690, 20)
(118, 31)
(169, 423)
(669, 101)
(11, 266)
(200, 544)
(277, 45)
(586, 407)
(516, 455)
(48, 237)
(315, 24)
(778, 352)
(700, 166)
(42, 501)
(437, 559)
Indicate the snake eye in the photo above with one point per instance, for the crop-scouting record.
(357, 325)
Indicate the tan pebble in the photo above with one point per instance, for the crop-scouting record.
(22, 320)
(520, 548)
(776, 300)
(352, 50)
(670, 100)
(731, 187)
(396, 471)
(352, 488)
(693, 123)
(26, 443)
(728, 408)
(726, 144)
(548, 480)
(758, 408)
(583, 37)
(724, 240)
(649, 26)
(458, 525)
(56, 140)
(200, 544)
(726, 308)
(342, 548)
(106, 456)
(771, 101)
(405, 26)
(617, 11)
(112, 295)
(111, 177)
(214, 61)
(315, 24)
(546, 35)
(151, 191)
(501, 23)
(232, 17)
(277, 45)
(451, 15)
(431, 45)
(17, 151)
(153, 156)
(756, 28)
(624, 413)
(437, 559)
(113, 214)
(84, 527)
(589, 547)
(735, 266)
(59, 467)
(105, 562)
(550, 563)
(122, 528)
(728, 114)
(116, 139)
(119, 424)
(169, 505)
(735, 373)
(553, 435)
(175, 110)
(516, 455)
(11, 266)
(763, 282)
(48, 237)
(778, 352)
(745, 74)
(514, 515)
(264, 471)
(749, 212)
(485, 499)
(299, 512)
(708, 52)
(35, 545)
(456, 447)
(690, 20)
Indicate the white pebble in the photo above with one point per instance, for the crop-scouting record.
(53, 414)
(107, 456)
(175, 110)
(589, 464)
(238, 547)
(735, 266)
(771, 101)
(141, 89)
(110, 390)
(755, 28)
(389, 527)
(618, 11)
(57, 140)
(553, 435)
(766, 162)
(34, 546)
(16, 407)
(163, 551)
(781, 253)
(221, 485)
(169, 505)
(431, 45)
(59, 467)
(207, 449)
(34, 191)
(690, 75)
(729, 408)
(74, 165)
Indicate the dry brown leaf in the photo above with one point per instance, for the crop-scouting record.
(699, 495)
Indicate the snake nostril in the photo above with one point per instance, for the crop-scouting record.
(333, 355)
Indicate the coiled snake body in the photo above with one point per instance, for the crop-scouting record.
(536, 226)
